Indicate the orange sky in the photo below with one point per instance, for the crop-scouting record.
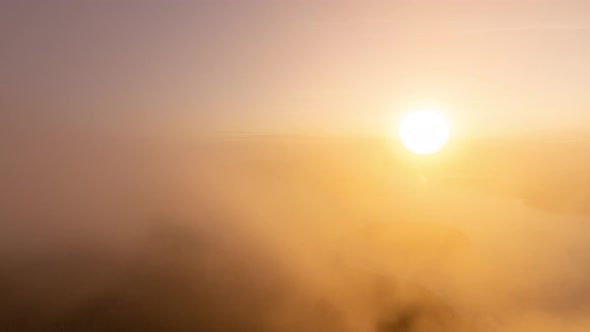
(298, 66)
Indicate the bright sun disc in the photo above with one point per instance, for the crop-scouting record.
(424, 132)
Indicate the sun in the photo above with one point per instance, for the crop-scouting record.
(424, 132)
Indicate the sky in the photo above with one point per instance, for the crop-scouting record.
(260, 66)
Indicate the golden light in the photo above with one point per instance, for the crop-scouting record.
(424, 132)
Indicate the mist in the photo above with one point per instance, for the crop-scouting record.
(129, 233)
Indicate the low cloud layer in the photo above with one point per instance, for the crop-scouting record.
(275, 235)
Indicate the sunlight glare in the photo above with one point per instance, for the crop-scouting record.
(424, 132)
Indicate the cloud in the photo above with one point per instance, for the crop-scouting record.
(281, 236)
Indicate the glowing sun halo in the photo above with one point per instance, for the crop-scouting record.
(424, 132)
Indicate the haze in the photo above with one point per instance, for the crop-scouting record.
(233, 166)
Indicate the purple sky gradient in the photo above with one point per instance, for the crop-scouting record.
(295, 66)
